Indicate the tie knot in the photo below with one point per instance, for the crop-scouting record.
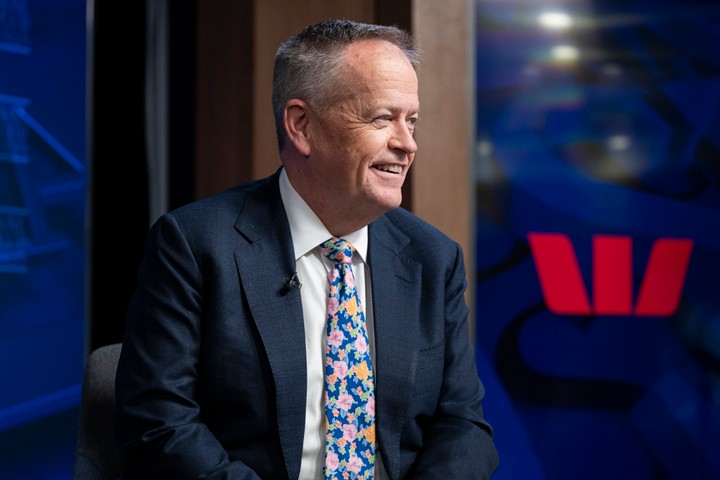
(338, 250)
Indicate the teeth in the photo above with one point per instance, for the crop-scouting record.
(389, 168)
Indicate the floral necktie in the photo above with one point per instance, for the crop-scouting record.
(349, 389)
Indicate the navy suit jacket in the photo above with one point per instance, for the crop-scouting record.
(211, 381)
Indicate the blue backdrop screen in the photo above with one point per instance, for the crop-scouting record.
(42, 208)
(598, 237)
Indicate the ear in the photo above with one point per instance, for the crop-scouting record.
(296, 119)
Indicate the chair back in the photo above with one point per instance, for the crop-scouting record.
(96, 455)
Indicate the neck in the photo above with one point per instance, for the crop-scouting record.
(333, 217)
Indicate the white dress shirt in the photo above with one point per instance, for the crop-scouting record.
(308, 233)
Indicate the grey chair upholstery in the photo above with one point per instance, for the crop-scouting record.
(96, 456)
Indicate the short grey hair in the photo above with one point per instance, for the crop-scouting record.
(308, 66)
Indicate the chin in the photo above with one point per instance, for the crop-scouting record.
(384, 202)
(389, 205)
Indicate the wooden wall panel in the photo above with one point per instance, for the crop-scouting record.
(275, 21)
(442, 180)
(224, 102)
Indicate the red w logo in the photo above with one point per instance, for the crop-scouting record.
(565, 292)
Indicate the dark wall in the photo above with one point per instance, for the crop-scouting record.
(118, 195)
(118, 209)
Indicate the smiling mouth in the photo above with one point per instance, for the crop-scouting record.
(389, 168)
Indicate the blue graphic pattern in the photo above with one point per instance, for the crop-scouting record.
(600, 118)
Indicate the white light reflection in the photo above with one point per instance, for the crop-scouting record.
(618, 142)
(565, 53)
(555, 20)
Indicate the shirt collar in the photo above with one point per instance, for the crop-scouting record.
(306, 228)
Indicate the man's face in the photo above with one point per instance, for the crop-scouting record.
(363, 146)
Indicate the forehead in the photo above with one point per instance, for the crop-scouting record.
(372, 48)
(373, 65)
(375, 54)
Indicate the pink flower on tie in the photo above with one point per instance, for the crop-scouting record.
(370, 408)
(361, 344)
(354, 464)
(331, 461)
(348, 279)
(340, 369)
(332, 306)
(344, 401)
(349, 432)
(336, 338)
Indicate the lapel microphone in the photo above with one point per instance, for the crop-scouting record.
(292, 282)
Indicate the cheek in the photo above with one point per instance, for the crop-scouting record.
(356, 151)
(373, 144)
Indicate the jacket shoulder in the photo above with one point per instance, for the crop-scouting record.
(417, 229)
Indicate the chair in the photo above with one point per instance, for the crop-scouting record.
(96, 456)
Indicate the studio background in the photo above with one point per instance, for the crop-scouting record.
(598, 237)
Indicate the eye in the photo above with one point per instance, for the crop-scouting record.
(412, 123)
(382, 120)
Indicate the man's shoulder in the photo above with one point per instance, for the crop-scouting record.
(413, 225)
(224, 207)
(231, 198)
(415, 239)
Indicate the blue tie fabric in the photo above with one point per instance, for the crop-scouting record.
(349, 384)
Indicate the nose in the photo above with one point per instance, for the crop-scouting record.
(402, 138)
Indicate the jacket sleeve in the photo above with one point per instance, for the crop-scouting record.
(158, 426)
(457, 441)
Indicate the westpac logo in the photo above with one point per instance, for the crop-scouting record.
(612, 276)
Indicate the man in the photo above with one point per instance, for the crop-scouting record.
(223, 367)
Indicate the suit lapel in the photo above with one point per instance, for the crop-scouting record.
(265, 264)
(396, 299)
